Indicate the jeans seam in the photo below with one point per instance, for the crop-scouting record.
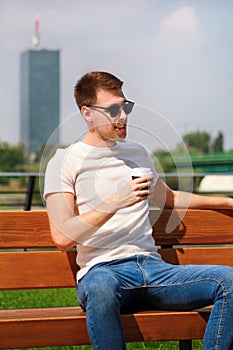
(132, 288)
(141, 269)
(170, 284)
(187, 282)
(222, 312)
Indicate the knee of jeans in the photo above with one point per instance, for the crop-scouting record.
(101, 285)
(225, 281)
(228, 279)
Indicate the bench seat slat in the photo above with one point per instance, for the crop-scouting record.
(53, 269)
(212, 256)
(31, 229)
(42, 269)
(19, 229)
(67, 326)
(192, 227)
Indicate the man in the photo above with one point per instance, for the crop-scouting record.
(93, 203)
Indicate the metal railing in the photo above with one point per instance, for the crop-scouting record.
(32, 176)
(30, 188)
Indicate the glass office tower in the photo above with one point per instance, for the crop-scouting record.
(40, 90)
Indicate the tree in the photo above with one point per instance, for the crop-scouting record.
(218, 143)
(198, 141)
(12, 157)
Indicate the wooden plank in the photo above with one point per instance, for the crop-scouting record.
(212, 256)
(42, 269)
(67, 326)
(44, 327)
(154, 325)
(19, 229)
(31, 229)
(192, 227)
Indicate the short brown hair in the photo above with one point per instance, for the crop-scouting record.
(86, 87)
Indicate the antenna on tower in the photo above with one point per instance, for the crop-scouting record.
(36, 35)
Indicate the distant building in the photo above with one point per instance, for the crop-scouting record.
(40, 95)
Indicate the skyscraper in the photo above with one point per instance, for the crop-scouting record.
(40, 92)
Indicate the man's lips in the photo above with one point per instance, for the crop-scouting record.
(120, 127)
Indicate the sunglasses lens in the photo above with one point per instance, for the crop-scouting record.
(114, 110)
(128, 106)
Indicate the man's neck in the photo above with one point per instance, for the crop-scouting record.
(95, 142)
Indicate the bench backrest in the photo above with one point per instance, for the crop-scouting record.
(29, 259)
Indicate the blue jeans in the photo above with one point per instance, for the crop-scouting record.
(144, 282)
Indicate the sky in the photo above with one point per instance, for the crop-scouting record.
(174, 56)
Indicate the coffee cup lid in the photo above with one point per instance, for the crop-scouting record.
(137, 172)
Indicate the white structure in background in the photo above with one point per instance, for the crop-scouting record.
(216, 183)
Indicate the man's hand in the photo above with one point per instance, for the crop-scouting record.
(132, 192)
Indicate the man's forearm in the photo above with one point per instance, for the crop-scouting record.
(69, 228)
(81, 227)
(190, 200)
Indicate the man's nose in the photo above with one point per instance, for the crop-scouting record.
(122, 117)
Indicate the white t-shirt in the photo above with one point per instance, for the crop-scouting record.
(94, 174)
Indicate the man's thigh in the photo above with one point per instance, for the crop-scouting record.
(185, 286)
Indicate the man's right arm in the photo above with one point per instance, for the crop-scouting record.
(69, 228)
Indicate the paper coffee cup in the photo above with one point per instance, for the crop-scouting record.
(140, 172)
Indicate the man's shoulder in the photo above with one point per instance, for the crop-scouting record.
(64, 155)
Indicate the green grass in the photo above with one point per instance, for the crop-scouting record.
(20, 299)
(67, 297)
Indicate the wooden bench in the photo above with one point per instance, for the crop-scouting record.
(28, 260)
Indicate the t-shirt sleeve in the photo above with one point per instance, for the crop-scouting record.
(58, 175)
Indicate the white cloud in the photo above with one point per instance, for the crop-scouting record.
(182, 21)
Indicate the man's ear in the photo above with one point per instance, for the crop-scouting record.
(86, 113)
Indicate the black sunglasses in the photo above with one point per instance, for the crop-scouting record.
(114, 110)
